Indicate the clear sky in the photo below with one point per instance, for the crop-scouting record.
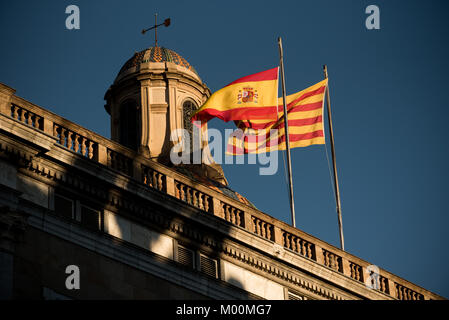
(388, 90)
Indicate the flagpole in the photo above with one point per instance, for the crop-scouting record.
(287, 139)
(337, 190)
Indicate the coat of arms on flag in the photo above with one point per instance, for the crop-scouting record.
(240, 100)
(247, 94)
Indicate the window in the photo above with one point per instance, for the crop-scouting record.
(188, 108)
(129, 124)
(208, 266)
(90, 218)
(197, 261)
(293, 295)
(64, 207)
(186, 257)
(74, 210)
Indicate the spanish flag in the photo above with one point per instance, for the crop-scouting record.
(250, 97)
(305, 125)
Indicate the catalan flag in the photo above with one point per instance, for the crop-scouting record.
(250, 97)
(305, 124)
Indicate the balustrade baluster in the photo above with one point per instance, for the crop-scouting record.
(293, 243)
(264, 229)
(287, 241)
(195, 200)
(206, 203)
(227, 213)
(160, 184)
(188, 194)
(154, 179)
(232, 215)
(90, 149)
(181, 188)
(55, 131)
(77, 145)
(201, 203)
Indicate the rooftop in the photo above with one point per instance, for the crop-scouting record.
(22, 118)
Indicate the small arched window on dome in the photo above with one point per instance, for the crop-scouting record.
(129, 124)
(188, 108)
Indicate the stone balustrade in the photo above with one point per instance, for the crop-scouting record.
(153, 178)
(356, 271)
(192, 196)
(231, 214)
(120, 162)
(96, 148)
(74, 141)
(27, 117)
(262, 228)
(404, 293)
(301, 246)
(332, 260)
(380, 283)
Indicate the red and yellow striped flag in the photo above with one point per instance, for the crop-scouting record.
(305, 125)
(250, 97)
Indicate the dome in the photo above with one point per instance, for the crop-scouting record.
(155, 54)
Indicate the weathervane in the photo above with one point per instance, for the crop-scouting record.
(165, 23)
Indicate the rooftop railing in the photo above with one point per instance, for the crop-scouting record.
(94, 147)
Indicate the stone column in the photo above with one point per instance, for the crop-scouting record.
(12, 226)
(144, 147)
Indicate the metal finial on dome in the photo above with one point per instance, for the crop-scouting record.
(165, 23)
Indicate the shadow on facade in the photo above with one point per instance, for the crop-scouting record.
(126, 246)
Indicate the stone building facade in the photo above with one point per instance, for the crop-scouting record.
(138, 227)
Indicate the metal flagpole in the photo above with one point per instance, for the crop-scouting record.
(287, 139)
(337, 190)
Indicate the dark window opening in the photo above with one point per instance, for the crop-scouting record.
(293, 295)
(129, 124)
(90, 218)
(208, 266)
(186, 257)
(64, 207)
(188, 108)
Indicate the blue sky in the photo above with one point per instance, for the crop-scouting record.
(388, 90)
